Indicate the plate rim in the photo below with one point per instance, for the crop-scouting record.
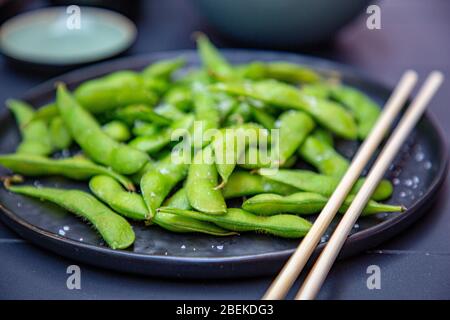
(125, 24)
(437, 182)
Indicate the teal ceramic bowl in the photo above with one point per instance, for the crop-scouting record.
(280, 23)
(52, 36)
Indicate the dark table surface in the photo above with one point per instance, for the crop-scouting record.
(414, 265)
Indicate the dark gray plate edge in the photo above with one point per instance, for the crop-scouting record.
(218, 267)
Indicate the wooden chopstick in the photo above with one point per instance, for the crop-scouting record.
(287, 276)
(319, 272)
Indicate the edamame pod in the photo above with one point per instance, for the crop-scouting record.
(77, 168)
(117, 130)
(118, 89)
(365, 110)
(163, 68)
(310, 181)
(157, 183)
(267, 204)
(206, 114)
(294, 127)
(59, 135)
(132, 205)
(35, 134)
(114, 229)
(243, 183)
(154, 143)
(202, 182)
(323, 156)
(327, 113)
(212, 60)
(278, 70)
(229, 144)
(140, 112)
(282, 225)
(89, 135)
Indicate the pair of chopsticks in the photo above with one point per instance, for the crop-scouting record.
(313, 282)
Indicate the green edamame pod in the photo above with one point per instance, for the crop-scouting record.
(142, 128)
(202, 182)
(323, 156)
(212, 60)
(240, 114)
(117, 130)
(178, 200)
(118, 89)
(46, 112)
(157, 183)
(154, 143)
(327, 113)
(365, 110)
(59, 135)
(282, 225)
(263, 117)
(324, 136)
(318, 90)
(294, 127)
(169, 112)
(35, 134)
(310, 181)
(243, 183)
(140, 112)
(163, 68)
(114, 229)
(267, 204)
(179, 96)
(207, 115)
(78, 168)
(128, 204)
(229, 144)
(97, 145)
(278, 70)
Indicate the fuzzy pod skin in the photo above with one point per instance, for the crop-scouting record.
(323, 156)
(305, 203)
(282, 225)
(117, 130)
(278, 70)
(142, 112)
(365, 110)
(294, 127)
(94, 142)
(243, 183)
(327, 113)
(213, 60)
(201, 184)
(309, 181)
(35, 134)
(163, 68)
(59, 135)
(152, 144)
(77, 168)
(230, 143)
(114, 229)
(114, 90)
(157, 183)
(132, 205)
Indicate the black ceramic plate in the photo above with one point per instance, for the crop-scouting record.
(417, 174)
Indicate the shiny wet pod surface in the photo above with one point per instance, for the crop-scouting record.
(416, 174)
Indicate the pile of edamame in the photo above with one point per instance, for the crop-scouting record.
(121, 127)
